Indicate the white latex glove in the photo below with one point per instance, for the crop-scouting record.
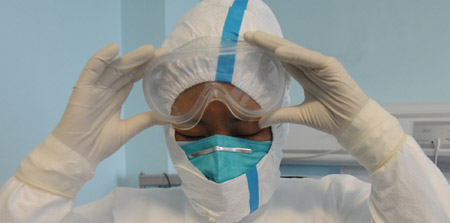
(334, 103)
(91, 124)
(332, 98)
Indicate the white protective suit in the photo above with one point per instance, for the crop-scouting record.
(406, 185)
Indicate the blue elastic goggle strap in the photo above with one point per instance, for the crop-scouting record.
(230, 35)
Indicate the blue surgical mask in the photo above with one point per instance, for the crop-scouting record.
(221, 158)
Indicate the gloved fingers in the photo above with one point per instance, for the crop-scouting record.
(122, 94)
(289, 114)
(158, 52)
(97, 63)
(266, 40)
(310, 113)
(139, 122)
(131, 77)
(287, 51)
(301, 56)
(330, 82)
(297, 114)
(125, 65)
(308, 97)
(310, 84)
(300, 77)
(136, 74)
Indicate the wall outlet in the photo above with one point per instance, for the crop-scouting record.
(427, 131)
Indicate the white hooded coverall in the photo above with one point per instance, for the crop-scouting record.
(406, 186)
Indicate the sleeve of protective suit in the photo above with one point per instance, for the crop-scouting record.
(22, 199)
(22, 203)
(406, 185)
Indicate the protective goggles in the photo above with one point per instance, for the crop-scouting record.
(179, 85)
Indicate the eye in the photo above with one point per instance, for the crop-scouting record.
(255, 134)
(186, 137)
(248, 135)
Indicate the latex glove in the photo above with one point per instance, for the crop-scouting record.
(334, 103)
(91, 124)
(332, 98)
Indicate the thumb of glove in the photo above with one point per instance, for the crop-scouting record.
(310, 113)
(138, 123)
(282, 115)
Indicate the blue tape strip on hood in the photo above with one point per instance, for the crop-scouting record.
(253, 188)
(224, 73)
(230, 35)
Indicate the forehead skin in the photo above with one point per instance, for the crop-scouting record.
(217, 118)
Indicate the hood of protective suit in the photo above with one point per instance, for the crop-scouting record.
(231, 200)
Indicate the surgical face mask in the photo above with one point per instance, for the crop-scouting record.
(221, 158)
(236, 75)
(233, 199)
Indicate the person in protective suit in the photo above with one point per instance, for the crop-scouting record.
(220, 88)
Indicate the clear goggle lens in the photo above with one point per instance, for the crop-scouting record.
(179, 85)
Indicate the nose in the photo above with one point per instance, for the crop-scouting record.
(218, 119)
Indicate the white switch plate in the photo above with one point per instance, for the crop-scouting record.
(427, 131)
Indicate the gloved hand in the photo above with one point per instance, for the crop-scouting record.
(91, 124)
(332, 98)
(334, 103)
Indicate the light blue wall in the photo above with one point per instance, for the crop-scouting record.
(397, 50)
(44, 45)
(143, 23)
(174, 10)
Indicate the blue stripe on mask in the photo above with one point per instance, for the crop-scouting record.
(230, 35)
(253, 188)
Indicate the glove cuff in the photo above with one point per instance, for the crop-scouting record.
(373, 137)
(55, 168)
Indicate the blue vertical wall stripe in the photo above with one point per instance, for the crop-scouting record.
(253, 188)
(230, 35)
